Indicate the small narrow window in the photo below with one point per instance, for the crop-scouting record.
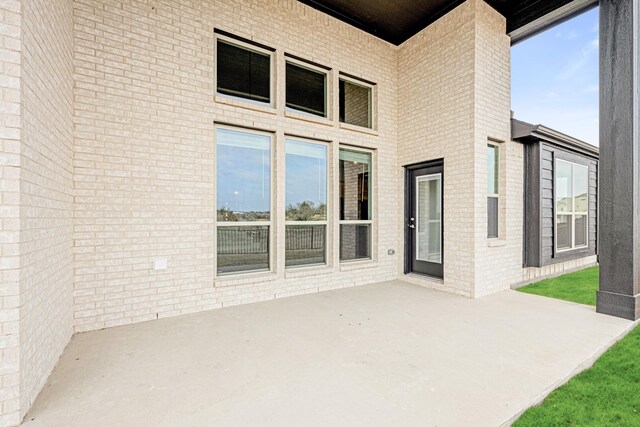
(243, 190)
(571, 188)
(355, 104)
(493, 190)
(306, 203)
(243, 72)
(306, 89)
(355, 205)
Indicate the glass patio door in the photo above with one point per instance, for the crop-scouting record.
(424, 222)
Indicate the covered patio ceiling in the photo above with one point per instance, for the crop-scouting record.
(398, 20)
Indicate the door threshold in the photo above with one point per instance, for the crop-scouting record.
(422, 276)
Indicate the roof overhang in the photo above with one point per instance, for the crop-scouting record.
(398, 20)
(527, 133)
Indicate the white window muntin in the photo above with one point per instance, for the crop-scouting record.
(493, 183)
(572, 213)
(372, 208)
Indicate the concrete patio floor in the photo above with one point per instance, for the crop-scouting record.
(385, 354)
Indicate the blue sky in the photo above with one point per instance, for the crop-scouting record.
(554, 78)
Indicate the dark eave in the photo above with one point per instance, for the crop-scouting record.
(527, 133)
(398, 20)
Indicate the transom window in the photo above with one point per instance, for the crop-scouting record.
(243, 200)
(306, 89)
(355, 205)
(243, 71)
(572, 205)
(356, 103)
(306, 203)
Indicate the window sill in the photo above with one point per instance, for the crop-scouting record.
(357, 265)
(361, 129)
(236, 102)
(303, 271)
(308, 118)
(496, 243)
(235, 279)
(572, 250)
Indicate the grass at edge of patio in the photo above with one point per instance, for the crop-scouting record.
(579, 286)
(607, 394)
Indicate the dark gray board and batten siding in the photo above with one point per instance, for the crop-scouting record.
(539, 248)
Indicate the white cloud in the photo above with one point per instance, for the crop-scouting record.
(586, 53)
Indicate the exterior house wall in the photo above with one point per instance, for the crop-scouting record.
(540, 256)
(46, 197)
(144, 164)
(436, 121)
(10, 135)
(454, 97)
(548, 154)
(107, 160)
(498, 261)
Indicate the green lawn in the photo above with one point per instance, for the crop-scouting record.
(580, 287)
(608, 394)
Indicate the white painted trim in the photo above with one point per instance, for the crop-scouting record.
(573, 213)
(247, 46)
(328, 98)
(551, 19)
(373, 119)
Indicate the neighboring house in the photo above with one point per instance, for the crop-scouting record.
(165, 157)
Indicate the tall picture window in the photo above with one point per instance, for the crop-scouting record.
(493, 190)
(306, 203)
(243, 200)
(356, 181)
(571, 188)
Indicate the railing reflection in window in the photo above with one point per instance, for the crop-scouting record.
(247, 248)
(243, 248)
(305, 245)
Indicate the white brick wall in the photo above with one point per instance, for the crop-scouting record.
(46, 196)
(10, 124)
(144, 162)
(534, 274)
(498, 262)
(453, 95)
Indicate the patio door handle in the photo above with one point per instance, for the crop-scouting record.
(412, 225)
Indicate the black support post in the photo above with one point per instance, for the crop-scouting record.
(619, 207)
